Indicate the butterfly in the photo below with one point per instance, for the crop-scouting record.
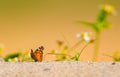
(37, 55)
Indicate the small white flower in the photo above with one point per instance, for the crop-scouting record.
(84, 36)
(87, 37)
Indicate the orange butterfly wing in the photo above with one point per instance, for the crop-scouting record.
(38, 54)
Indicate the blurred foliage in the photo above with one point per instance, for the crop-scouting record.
(64, 52)
(18, 57)
(61, 53)
(11, 56)
(99, 25)
(101, 22)
(116, 56)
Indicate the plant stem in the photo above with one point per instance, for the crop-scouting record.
(97, 44)
(73, 47)
(81, 52)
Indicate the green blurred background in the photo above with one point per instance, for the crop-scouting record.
(26, 24)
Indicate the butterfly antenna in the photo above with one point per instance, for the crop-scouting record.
(41, 48)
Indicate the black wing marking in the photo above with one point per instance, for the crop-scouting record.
(32, 55)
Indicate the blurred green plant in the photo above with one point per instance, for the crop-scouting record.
(83, 37)
(18, 57)
(99, 25)
(77, 55)
(115, 56)
(26, 56)
(12, 57)
(63, 52)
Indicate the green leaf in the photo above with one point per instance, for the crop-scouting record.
(88, 24)
(99, 26)
(95, 28)
(77, 56)
(10, 56)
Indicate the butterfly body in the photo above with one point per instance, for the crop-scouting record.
(37, 55)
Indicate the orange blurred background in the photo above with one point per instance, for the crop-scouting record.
(26, 24)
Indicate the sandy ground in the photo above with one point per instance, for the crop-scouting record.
(60, 69)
